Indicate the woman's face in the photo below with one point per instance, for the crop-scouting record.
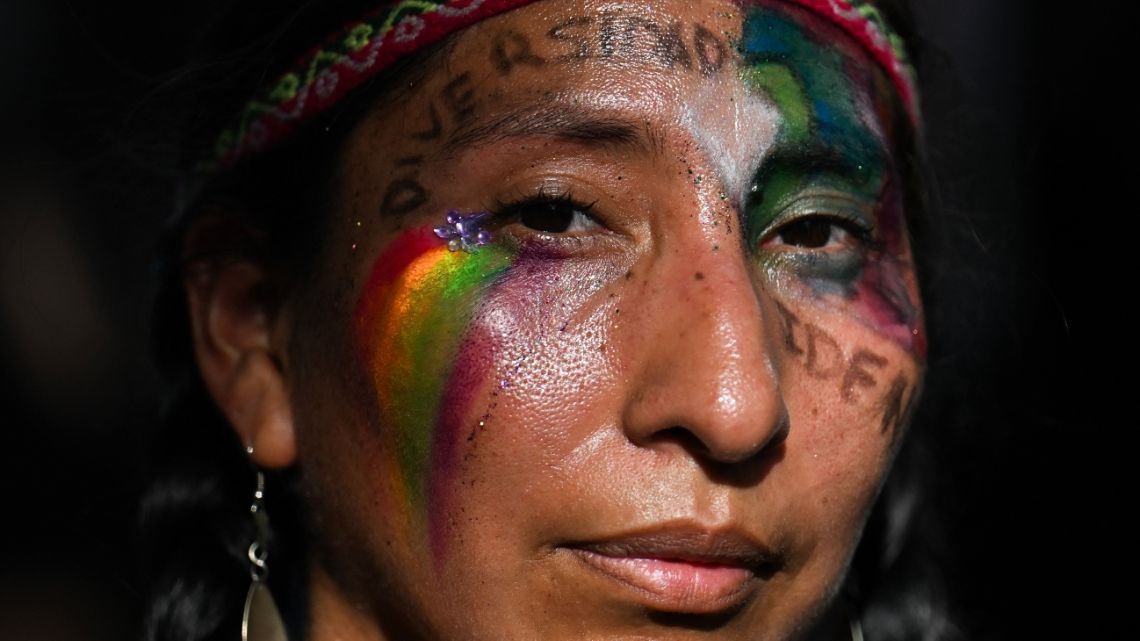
(660, 403)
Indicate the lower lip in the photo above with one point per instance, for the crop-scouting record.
(677, 586)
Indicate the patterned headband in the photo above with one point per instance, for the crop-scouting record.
(328, 72)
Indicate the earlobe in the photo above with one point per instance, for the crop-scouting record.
(259, 410)
(232, 320)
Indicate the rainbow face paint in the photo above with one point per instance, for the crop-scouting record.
(829, 162)
(412, 326)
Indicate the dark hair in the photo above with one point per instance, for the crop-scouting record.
(195, 525)
(194, 518)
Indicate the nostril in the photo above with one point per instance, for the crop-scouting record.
(683, 437)
(743, 467)
(717, 452)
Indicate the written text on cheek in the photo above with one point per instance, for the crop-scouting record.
(824, 359)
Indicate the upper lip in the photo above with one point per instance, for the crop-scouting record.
(685, 542)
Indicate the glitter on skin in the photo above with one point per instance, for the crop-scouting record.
(411, 323)
(723, 129)
(464, 232)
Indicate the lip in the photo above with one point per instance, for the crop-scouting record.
(682, 569)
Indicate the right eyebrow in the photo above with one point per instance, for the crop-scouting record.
(599, 128)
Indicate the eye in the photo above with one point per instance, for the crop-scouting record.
(817, 233)
(561, 214)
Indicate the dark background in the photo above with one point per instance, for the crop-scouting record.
(1028, 132)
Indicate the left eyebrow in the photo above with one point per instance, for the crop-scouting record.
(568, 122)
(817, 157)
(846, 155)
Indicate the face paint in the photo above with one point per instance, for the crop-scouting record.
(412, 325)
(828, 166)
(733, 133)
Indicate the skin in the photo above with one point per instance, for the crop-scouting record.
(729, 338)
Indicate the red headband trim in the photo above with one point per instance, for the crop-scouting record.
(331, 70)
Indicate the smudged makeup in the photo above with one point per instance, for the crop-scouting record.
(829, 187)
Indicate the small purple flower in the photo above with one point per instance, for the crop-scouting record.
(464, 231)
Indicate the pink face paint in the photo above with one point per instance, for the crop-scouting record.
(882, 291)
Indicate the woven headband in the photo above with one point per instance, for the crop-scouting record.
(324, 75)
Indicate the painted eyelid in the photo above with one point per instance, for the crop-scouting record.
(841, 208)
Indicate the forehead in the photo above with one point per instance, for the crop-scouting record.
(671, 58)
(740, 82)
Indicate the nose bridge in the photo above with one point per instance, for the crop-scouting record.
(704, 363)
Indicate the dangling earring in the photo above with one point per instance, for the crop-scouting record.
(260, 620)
(851, 607)
(855, 624)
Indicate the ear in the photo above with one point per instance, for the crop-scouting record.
(233, 315)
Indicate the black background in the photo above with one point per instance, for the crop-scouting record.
(1031, 132)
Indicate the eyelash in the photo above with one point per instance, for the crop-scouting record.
(507, 212)
(809, 217)
(852, 225)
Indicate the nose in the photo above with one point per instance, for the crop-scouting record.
(705, 373)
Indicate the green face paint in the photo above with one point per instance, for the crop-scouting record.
(829, 175)
(823, 141)
(411, 323)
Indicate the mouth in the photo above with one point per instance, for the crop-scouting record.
(681, 569)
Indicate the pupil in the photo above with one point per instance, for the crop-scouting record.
(807, 233)
(548, 218)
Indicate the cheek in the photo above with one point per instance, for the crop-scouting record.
(848, 388)
(885, 294)
(412, 328)
(843, 374)
(481, 363)
(531, 372)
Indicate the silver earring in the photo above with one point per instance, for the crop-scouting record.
(856, 626)
(260, 620)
